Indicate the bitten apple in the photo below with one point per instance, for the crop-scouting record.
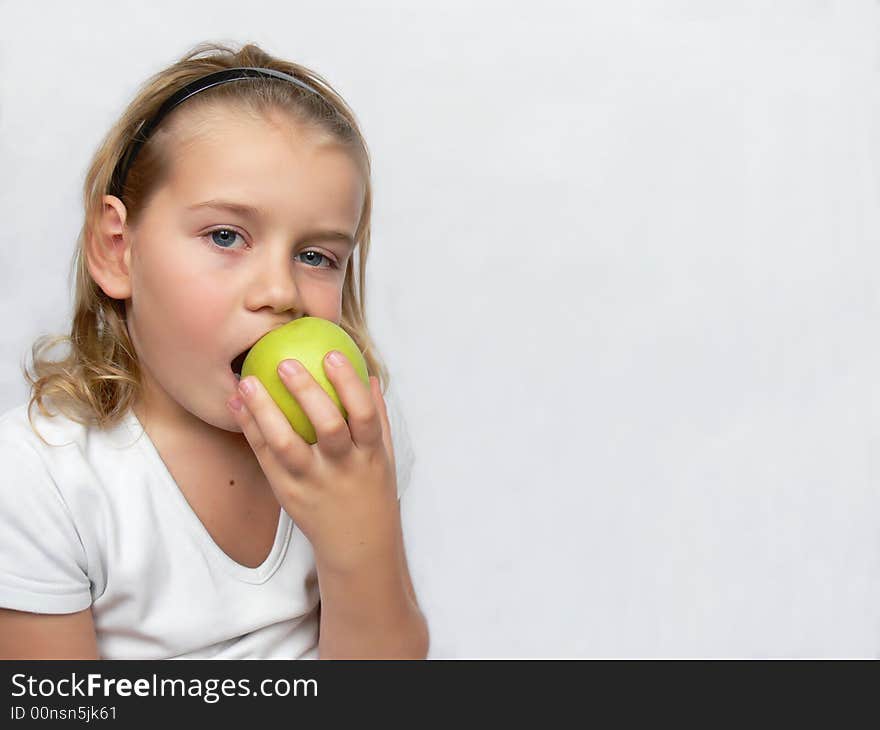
(307, 339)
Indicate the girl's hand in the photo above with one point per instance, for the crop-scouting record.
(342, 490)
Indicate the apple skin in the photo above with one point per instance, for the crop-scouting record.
(307, 339)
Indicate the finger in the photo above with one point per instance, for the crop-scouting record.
(364, 422)
(331, 430)
(278, 436)
(250, 428)
(379, 400)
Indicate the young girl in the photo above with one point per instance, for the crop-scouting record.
(156, 506)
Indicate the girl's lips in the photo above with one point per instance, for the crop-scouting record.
(238, 361)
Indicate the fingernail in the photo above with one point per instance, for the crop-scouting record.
(235, 404)
(290, 368)
(245, 386)
(335, 358)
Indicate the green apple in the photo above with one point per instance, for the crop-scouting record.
(307, 339)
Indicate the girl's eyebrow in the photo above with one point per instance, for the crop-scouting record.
(253, 213)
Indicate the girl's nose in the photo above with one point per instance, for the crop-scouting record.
(274, 285)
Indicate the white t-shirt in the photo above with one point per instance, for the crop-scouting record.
(99, 521)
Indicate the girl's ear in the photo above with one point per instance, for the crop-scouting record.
(108, 254)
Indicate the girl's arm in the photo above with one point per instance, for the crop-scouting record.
(25, 635)
(371, 612)
(342, 493)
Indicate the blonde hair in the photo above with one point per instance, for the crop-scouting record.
(100, 378)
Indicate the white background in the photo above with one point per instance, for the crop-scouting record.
(625, 274)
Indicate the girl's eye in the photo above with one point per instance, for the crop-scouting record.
(330, 263)
(225, 238)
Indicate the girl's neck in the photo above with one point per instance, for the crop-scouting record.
(171, 426)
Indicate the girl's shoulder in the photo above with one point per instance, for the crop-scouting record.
(16, 431)
(26, 430)
(17, 427)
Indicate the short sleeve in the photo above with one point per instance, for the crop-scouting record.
(404, 454)
(43, 566)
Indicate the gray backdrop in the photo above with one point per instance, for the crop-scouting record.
(625, 274)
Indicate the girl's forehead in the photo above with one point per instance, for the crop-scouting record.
(264, 164)
(211, 127)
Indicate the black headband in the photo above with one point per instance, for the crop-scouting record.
(117, 181)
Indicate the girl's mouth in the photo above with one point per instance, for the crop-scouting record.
(238, 362)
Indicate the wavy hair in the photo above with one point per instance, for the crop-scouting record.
(99, 378)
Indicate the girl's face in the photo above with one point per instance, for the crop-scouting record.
(253, 229)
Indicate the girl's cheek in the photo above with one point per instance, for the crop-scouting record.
(204, 308)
